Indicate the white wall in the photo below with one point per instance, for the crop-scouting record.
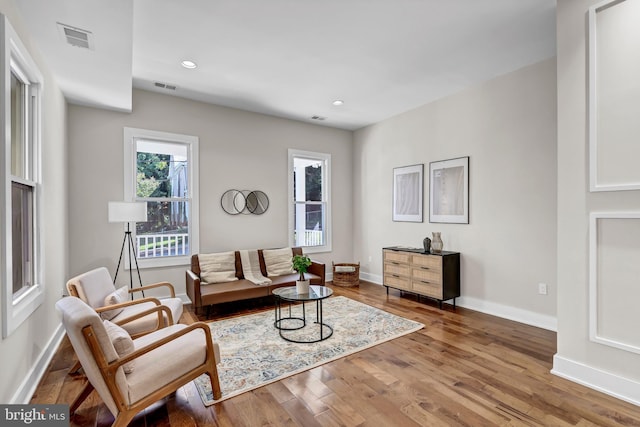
(238, 150)
(507, 126)
(600, 366)
(25, 353)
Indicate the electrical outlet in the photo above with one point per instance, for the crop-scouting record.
(542, 288)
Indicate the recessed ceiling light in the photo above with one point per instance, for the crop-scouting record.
(338, 102)
(189, 64)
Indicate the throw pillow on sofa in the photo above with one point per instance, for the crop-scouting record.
(218, 267)
(278, 261)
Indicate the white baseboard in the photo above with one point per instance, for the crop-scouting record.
(512, 313)
(373, 278)
(25, 392)
(184, 297)
(507, 312)
(605, 382)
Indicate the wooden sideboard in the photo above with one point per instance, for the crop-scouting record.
(435, 276)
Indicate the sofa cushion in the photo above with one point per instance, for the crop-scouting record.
(115, 297)
(278, 261)
(122, 342)
(232, 291)
(218, 267)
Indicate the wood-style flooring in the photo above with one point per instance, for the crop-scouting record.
(463, 368)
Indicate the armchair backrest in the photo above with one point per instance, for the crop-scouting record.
(76, 317)
(92, 287)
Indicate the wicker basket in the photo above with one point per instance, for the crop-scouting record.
(346, 274)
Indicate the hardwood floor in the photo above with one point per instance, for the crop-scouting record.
(463, 368)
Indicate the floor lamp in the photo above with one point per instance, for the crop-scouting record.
(128, 212)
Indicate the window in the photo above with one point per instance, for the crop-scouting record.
(160, 170)
(22, 290)
(309, 200)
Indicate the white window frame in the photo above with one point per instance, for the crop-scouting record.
(130, 168)
(15, 57)
(326, 197)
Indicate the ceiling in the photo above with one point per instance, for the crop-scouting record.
(290, 58)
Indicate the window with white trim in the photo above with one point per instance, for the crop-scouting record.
(20, 89)
(309, 200)
(161, 170)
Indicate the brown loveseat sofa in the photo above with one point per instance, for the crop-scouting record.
(203, 295)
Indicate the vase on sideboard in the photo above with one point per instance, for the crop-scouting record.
(427, 245)
(436, 243)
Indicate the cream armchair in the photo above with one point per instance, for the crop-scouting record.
(163, 360)
(94, 286)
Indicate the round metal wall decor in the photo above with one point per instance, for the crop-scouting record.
(235, 202)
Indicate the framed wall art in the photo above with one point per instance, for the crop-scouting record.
(449, 191)
(407, 193)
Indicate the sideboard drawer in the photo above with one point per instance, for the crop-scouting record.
(397, 269)
(428, 261)
(397, 281)
(397, 257)
(433, 290)
(432, 276)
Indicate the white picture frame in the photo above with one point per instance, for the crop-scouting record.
(449, 191)
(408, 193)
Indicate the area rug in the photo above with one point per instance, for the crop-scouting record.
(253, 354)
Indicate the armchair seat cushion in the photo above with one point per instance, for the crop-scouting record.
(173, 359)
(149, 321)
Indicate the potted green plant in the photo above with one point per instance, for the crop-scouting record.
(300, 264)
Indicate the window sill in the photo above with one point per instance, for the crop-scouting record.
(161, 262)
(316, 249)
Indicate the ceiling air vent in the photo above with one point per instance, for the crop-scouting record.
(164, 86)
(76, 36)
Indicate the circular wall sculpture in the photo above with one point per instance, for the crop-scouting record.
(235, 202)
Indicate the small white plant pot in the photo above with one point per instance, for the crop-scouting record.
(302, 286)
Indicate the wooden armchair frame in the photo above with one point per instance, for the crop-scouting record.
(108, 372)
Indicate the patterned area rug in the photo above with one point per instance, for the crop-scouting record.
(253, 353)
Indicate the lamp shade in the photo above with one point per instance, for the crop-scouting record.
(127, 211)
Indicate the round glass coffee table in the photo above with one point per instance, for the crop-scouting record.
(289, 295)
